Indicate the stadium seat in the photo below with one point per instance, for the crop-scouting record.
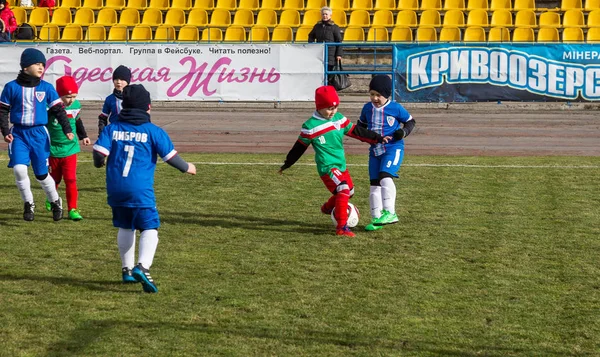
(499, 34)
(129, 17)
(402, 34)
(591, 5)
(354, 34)
(548, 34)
(176, 17)
(571, 5)
(252, 5)
(204, 4)
(408, 5)
(115, 4)
(189, 33)
(106, 17)
(282, 34)
(315, 4)
(385, 5)
(593, 35)
(297, 5)
(311, 17)
(271, 5)
(454, 5)
(477, 5)
(39, 16)
(594, 18)
(35, 33)
(362, 5)
(93, 4)
(474, 34)
(289, 18)
(72, 33)
(243, 17)
(383, 18)
(165, 33)
(426, 34)
(220, 18)
(20, 14)
(197, 17)
(339, 18)
(162, 5)
(212, 35)
(407, 18)
(360, 18)
(340, 5)
(136, 4)
(61, 16)
(431, 4)
(302, 33)
(430, 18)
(95, 33)
(118, 33)
(525, 18)
(549, 19)
(454, 18)
(235, 33)
(185, 5)
(477, 17)
(572, 34)
(260, 34)
(378, 34)
(141, 32)
(152, 17)
(226, 5)
(70, 4)
(84, 17)
(523, 34)
(501, 18)
(524, 5)
(500, 5)
(573, 18)
(266, 17)
(450, 34)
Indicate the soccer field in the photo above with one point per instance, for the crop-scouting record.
(493, 256)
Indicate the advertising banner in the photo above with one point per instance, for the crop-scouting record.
(214, 72)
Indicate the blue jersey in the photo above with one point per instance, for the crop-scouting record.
(112, 107)
(29, 105)
(132, 151)
(385, 121)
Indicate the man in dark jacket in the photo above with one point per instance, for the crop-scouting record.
(327, 31)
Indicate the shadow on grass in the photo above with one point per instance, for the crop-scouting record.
(95, 285)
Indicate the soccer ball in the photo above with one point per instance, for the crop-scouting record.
(353, 216)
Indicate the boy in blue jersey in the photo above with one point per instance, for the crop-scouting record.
(384, 117)
(131, 144)
(28, 101)
(112, 104)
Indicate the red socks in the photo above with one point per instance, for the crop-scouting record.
(341, 207)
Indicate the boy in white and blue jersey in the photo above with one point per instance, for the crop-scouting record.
(113, 103)
(27, 102)
(132, 144)
(387, 118)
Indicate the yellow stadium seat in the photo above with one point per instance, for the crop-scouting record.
(95, 33)
(499, 34)
(141, 32)
(501, 18)
(115, 4)
(407, 18)
(311, 17)
(594, 18)
(430, 18)
(402, 34)
(72, 33)
(431, 4)
(235, 33)
(383, 18)
(226, 5)
(159, 4)
(39, 16)
(360, 18)
(477, 17)
(384, 5)
(189, 33)
(302, 33)
(185, 5)
(20, 14)
(106, 17)
(362, 5)
(378, 34)
(500, 5)
(523, 34)
(340, 5)
(259, 34)
(129, 17)
(573, 18)
(267, 17)
(593, 35)
(297, 5)
(549, 19)
(408, 5)
(243, 17)
(176, 17)
(35, 33)
(197, 17)
(220, 18)
(70, 4)
(450, 34)
(474, 34)
(426, 34)
(271, 5)
(152, 17)
(249, 5)
(571, 4)
(454, 5)
(525, 18)
(212, 35)
(339, 18)
(282, 34)
(572, 34)
(354, 34)
(477, 5)
(84, 17)
(591, 5)
(524, 5)
(204, 4)
(454, 18)
(289, 18)
(61, 16)
(118, 33)
(165, 33)
(136, 4)
(315, 4)
(93, 4)
(548, 34)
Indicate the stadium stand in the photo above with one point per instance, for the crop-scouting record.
(450, 34)
(474, 34)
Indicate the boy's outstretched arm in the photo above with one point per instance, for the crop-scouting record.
(363, 134)
(295, 153)
(180, 164)
(58, 111)
(4, 110)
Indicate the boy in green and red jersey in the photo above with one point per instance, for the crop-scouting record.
(63, 152)
(325, 130)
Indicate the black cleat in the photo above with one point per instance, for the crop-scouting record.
(28, 211)
(57, 211)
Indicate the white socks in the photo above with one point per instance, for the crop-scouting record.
(126, 243)
(148, 243)
(375, 201)
(388, 194)
(23, 182)
(49, 187)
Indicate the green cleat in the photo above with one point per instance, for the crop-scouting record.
(386, 218)
(48, 207)
(371, 227)
(74, 215)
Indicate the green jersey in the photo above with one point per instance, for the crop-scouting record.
(60, 145)
(326, 136)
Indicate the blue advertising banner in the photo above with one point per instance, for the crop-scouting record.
(443, 72)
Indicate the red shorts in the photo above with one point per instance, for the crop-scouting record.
(337, 180)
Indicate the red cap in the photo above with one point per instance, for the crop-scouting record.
(325, 97)
(66, 85)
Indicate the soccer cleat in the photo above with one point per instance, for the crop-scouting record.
(386, 218)
(127, 277)
(57, 211)
(345, 231)
(48, 206)
(142, 275)
(372, 227)
(74, 215)
(324, 209)
(28, 210)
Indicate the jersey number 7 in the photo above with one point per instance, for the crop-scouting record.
(130, 150)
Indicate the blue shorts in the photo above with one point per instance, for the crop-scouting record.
(135, 218)
(390, 162)
(31, 144)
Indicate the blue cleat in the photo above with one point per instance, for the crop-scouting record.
(127, 277)
(142, 275)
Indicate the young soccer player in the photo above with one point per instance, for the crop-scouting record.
(385, 117)
(132, 144)
(63, 152)
(112, 104)
(325, 130)
(28, 101)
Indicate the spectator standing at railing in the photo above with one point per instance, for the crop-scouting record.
(8, 17)
(327, 31)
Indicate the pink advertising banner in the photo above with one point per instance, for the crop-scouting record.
(196, 72)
